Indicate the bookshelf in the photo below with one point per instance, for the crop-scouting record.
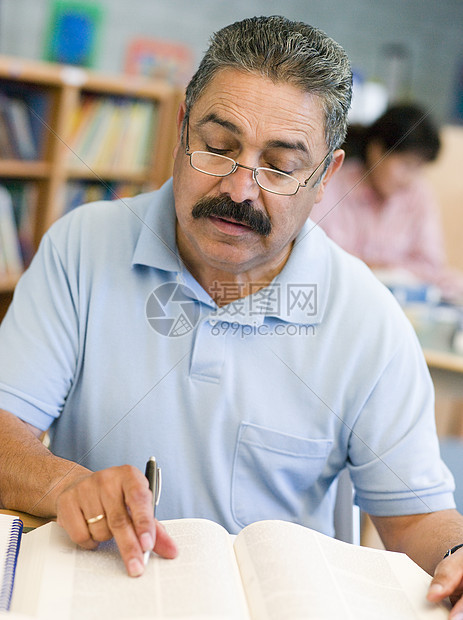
(126, 146)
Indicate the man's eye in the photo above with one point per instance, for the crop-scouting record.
(211, 149)
(280, 169)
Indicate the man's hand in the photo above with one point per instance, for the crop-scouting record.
(448, 582)
(122, 495)
(424, 538)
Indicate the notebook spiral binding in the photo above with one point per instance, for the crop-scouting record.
(12, 551)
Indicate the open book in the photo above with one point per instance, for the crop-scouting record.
(272, 569)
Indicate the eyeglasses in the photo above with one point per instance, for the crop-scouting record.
(267, 179)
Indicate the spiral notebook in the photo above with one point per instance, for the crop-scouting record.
(10, 539)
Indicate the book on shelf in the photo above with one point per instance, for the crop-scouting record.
(271, 569)
(18, 140)
(78, 124)
(24, 197)
(11, 262)
(81, 192)
(134, 152)
(107, 148)
(7, 150)
(112, 133)
(95, 135)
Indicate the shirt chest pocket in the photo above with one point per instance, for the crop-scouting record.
(273, 472)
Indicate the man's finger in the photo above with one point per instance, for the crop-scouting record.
(121, 527)
(164, 545)
(99, 529)
(448, 578)
(71, 517)
(139, 501)
(151, 535)
(122, 495)
(456, 612)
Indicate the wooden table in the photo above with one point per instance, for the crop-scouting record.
(30, 521)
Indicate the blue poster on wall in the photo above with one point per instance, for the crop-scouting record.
(72, 35)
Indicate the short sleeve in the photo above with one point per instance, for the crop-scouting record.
(39, 341)
(394, 452)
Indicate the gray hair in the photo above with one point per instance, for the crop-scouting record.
(284, 51)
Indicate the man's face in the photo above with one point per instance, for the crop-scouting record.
(257, 123)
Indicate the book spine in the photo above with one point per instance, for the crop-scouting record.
(7, 141)
(81, 192)
(11, 558)
(17, 138)
(111, 133)
(9, 240)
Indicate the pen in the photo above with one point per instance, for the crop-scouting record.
(153, 473)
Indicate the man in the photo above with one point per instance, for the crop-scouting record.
(250, 413)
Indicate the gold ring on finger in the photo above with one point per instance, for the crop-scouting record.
(93, 520)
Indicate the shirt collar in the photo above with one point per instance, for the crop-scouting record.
(298, 294)
(156, 245)
(305, 279)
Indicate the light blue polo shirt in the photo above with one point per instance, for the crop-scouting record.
(251, 409)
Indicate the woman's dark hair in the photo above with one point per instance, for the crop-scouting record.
(402, 128)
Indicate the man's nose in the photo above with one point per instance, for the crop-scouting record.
(241, 185)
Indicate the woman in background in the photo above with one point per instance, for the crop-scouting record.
(379, 206)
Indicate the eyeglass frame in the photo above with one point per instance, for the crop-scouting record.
(254, 170)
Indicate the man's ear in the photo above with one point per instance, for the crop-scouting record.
(180, 117)
(336, 163)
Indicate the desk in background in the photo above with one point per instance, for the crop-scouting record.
(446, 370)
(439, 328)
(436, 332)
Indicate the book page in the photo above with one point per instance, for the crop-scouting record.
(202, 582)
(293, 572)
(43, 582)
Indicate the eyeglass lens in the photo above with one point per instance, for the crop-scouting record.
(272, 180)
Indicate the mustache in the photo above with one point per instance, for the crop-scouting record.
(241, 212)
